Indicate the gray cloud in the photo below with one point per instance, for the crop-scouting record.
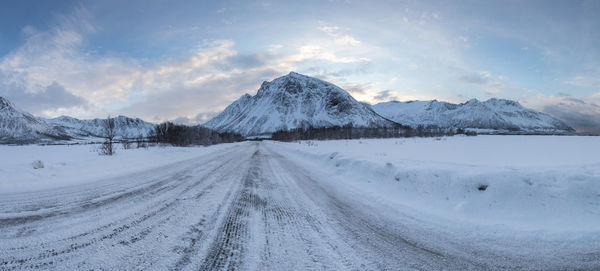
(357, 88)
(582, 116)
(247, 61)
(183, 120)
(574, 100)
(336, 75)
(53, 96)
(385, 95)
(205, 116)
(481, 78)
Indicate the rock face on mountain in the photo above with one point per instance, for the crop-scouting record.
(295, 101)
(17, 127)
(493, 114)
(125, 127)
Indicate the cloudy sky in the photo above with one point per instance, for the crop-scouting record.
(187, 60)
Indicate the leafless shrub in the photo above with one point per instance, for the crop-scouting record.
(140, 142)
(108, 126)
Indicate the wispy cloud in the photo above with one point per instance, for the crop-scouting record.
(385, 95)
(479, 78)
(197, 119)
(339, 38)
(591, 81)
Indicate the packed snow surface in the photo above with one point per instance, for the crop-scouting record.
(394, 204)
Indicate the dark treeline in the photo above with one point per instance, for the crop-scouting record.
(183, 135)
(350, 132)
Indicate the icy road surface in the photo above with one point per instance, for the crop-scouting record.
(247, 207)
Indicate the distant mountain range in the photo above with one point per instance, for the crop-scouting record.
(125, 127)
(18, 127)
(493, 115)
(296, 101)
(21, 127)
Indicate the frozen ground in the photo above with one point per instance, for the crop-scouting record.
(397, 204)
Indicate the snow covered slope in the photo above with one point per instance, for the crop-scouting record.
(294, 101)
(125, 127)
(493, 114)
(21, 127)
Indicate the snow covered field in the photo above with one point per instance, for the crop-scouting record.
(456, 203)
(66, 165)
(531, 182)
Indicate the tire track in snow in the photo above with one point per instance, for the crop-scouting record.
(53, 256)
(267, 228)
(379, 245)
(245, 208)
(228, 249)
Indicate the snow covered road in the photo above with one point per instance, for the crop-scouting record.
(245, 207)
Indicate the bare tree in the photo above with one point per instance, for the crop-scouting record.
(108, 126)
(140, 142)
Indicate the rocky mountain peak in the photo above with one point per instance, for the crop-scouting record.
(295, 101)
(5, 103)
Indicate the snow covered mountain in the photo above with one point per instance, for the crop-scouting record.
(493, 114)
(21, 127)
(294, 101)
(18, 127)
(125, 127)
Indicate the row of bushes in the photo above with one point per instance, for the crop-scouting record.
(183, 135)
(351, 132)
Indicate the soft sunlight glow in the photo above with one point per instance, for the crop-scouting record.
(199, 61)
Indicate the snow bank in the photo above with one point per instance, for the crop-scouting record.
(66, 165)
(533, 183)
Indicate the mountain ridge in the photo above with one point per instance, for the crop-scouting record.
(20, 127)
(492, 114)
(125, 127)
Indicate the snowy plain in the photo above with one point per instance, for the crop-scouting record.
(549, 183)
(376, 204)
(67, 165)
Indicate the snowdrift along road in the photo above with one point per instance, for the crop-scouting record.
(245, 207)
